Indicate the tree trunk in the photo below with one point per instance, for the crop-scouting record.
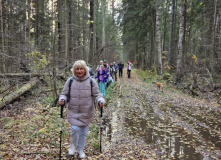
(165, 26)
(180, 44)
(3, 40)
(173, 53)
(153, 38)
(215, 54)
(103, 28)
(159, 51)
(59, 26)
(146, 64)
(66, 34)
(171, 32)
(91, 33)
(53, 38)
(84, 35)
(18, 93)
(112, 24)
(96, 6)
(70, 31)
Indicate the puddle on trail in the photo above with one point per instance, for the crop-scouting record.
(169, 140)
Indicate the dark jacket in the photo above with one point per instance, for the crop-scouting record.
(120, 66)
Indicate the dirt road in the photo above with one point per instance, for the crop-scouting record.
(139, 123)
(143, 123)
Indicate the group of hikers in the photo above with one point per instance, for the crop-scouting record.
(80, 91)
(107, 73)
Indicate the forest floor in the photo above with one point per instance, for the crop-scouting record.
(139, 122)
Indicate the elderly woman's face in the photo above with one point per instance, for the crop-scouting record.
(80, 71)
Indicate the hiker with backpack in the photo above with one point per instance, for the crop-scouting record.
(110, 76)
(90, 71)
(99, 66)
(102, 79)
(120, 67)
(80, 112)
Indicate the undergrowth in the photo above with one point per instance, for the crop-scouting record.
(150, 76)
(109, 90)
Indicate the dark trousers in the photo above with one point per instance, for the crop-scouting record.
(120, 72)
(115, 76)
(128, 73)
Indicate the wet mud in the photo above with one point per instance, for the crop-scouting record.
(171, 125)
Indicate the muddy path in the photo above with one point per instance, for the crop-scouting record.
(143, 123)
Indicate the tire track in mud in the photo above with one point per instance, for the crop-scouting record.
(172, 127)
(205, 140)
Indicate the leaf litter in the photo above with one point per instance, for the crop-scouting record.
(139, 123)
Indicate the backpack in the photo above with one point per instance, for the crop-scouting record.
(70, 83)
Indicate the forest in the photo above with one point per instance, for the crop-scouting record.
(174, 38)
(175, 41)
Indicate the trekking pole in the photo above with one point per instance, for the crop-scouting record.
(101, 129)
(62, 107)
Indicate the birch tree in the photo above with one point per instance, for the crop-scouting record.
(159, 49)
(53, 53)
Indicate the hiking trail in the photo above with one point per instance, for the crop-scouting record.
(139, 122)
(143, 123)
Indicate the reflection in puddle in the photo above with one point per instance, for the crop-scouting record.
(168, 140)
(167, 130)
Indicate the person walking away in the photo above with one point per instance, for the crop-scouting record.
(90, 71)
(80, 111)
(110, 76)
(115, 73)
(107, 68)
(112, 70)
(98, 67)
(120, 66)
(129, 67)
(102, 79)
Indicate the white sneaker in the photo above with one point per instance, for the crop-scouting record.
(81, 154)
(71, 150)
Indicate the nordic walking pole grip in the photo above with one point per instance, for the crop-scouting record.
(101, 111)
(101, 107)
(62, 108)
